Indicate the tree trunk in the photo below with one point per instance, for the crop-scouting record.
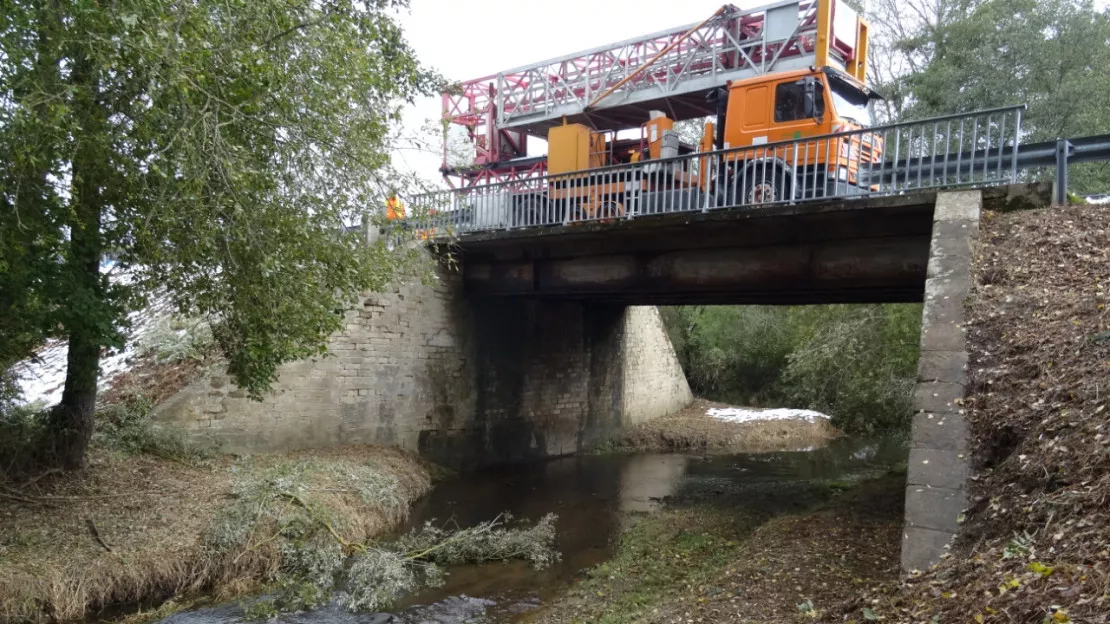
(73, 417)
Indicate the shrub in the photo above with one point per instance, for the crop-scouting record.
(304, 519)
(127, 427)
(855, 362)
(174, 339)
(23, 439)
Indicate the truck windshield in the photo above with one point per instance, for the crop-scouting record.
(851, 104)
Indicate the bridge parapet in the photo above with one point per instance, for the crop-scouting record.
(958, 151)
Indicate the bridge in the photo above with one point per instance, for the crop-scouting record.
(897, 225)
(544, 342)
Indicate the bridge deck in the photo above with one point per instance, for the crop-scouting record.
(848, 251)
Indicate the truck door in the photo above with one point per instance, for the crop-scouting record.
(790, 121)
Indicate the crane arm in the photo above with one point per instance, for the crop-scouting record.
(604, 94)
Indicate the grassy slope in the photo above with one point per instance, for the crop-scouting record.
(1036, 547)
(152, 514)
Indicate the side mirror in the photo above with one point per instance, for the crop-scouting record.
(809, 84)
(810, 98)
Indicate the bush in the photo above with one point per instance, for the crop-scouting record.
(126, 427)
(175, 339)
(861, 369)
(23, 439)
(855, 362)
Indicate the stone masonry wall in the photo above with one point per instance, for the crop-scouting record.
(400, 364)
(939, 456)
(654, 384)
(464, 382)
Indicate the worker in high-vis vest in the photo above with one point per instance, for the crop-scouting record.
(393, 209)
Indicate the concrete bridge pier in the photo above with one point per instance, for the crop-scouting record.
(940, 455)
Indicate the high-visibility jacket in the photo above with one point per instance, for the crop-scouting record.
(394, 209)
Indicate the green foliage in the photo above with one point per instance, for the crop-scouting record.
(127, 427)
(493, 541)
(934, 58)
(23, 437)
(860, 369)
(856, 363)
(379, 576)
(217, 148)
(175, 339)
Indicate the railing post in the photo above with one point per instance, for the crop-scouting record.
(1063, 151)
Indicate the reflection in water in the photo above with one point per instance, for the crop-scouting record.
(645, 480)
(593, 496)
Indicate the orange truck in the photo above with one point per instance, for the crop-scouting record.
(779, 91)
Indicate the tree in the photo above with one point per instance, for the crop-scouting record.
(936, 57)
(1050, 54)
(218, 149)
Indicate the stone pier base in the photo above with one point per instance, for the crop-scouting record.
(939, 458)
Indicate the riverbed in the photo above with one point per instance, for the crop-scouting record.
(597, 499)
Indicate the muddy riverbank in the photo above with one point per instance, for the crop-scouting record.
(693, 430)
(712, 561)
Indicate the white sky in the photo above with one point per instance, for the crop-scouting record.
(473, 38)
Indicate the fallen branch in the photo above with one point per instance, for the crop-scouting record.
(96, 534)
(354, 546)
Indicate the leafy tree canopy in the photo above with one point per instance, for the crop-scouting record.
(216, 148)
(936, 57)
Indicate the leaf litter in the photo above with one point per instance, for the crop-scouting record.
(1036, 543)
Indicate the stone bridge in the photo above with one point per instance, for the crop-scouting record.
(545, 341)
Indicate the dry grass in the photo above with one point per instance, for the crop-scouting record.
(692, 430)
(153, 514)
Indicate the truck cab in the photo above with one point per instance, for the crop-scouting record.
(791, 106)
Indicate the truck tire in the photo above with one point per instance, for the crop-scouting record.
(766, 184)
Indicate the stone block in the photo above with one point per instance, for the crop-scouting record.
(955, 236)
(948, 265)
(943, 366)
(938, 468)
(921, 548)
(952, 287)
(939, 509)
(958, 205)
(945, 431)
(944, 337)
(938, 397)
(943, 311)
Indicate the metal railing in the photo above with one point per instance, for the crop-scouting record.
(968, 150)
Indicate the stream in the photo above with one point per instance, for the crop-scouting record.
(595, 497)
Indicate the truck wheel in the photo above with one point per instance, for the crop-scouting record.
(765, 186)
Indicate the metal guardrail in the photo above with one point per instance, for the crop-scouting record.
(978, 149)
